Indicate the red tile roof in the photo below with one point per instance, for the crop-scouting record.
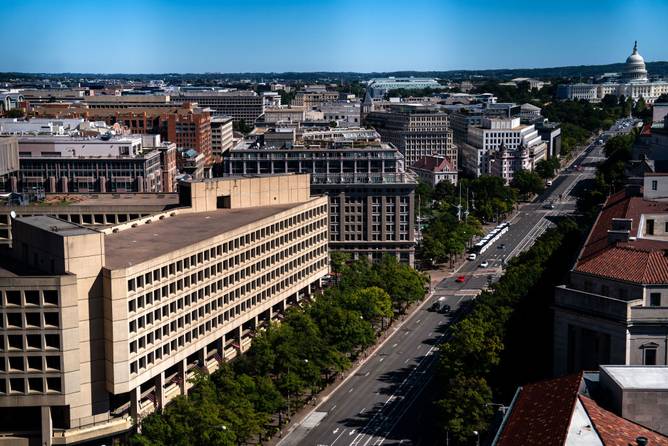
(617, 431)
(434, 164)
(542, 413)
(629, 264)
(641, 260)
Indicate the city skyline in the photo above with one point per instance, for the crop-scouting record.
(336, 36)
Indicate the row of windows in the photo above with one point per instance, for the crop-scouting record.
(206, 327)
(211, 253)
(215, 306)
(23, 342)
(228, 264)
(29, 298)
(31, 364)
(30, 385)
(32, 319)
(226, 282)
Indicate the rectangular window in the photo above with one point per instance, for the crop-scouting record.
(655, 184)
(655, 299)
(650, 227)
(650, 356)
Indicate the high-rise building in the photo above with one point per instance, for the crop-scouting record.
(102, 327)
(371, 195)
(416, 130)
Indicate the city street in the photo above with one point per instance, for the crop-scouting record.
(378, 403)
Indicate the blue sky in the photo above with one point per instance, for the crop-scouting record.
(151, 36)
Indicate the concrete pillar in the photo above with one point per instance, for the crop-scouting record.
(135, 397)
(64, 187)
(13, 184)
(103, 184)
(47, 426)
(160, 390)
(182, 376)
(52, 184)
(140, 183)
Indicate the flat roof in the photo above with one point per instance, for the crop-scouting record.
(639, 377)
(147, 241)
(56, 225)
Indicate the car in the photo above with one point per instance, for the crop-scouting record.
(444, 308)
(460, 279)
(472, 256)
(501, 246)
(484, 264)
(548, 183)
(548, 206)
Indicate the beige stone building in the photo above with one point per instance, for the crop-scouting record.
(101, 327)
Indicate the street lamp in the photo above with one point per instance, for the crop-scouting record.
(477, 438)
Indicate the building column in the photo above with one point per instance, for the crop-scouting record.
(135, 397)
(47, 426)
(64, 186)
(103, 184)
(52, 184)
(140, 183)
(13, 184)
(182, 376)
(159, 383)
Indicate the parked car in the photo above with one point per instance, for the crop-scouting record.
(484, 264)
(472, 256)
(548, 183)
(548, 205)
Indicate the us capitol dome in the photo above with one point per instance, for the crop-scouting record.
(634, 70)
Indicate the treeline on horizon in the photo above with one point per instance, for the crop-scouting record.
(584, 71)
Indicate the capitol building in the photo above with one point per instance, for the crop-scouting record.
(633, 83)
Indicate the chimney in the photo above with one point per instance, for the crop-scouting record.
(615, 236)
(642, 441)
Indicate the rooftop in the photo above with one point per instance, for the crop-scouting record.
(52, 224)
(639, 260)
(147, 241)
(644, 377)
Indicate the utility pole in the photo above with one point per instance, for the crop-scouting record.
(459, 206)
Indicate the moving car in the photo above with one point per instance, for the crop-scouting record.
(549, 183)
(548, 205)
(501, 246)
(472, 256)
(460, 279)
(484, 264)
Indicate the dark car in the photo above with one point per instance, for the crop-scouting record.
(502, 246)
(445, 309)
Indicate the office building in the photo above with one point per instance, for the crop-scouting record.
(501, 146)
(378, 88)
(241, 105)
(550, 132)
(106, 326)
(612, 310)
(311, 97)
(9, 157)
(74, 164)
(416, 130)
(343, 113)
(616, 405)
(222, 136)
(634, 83)
(191, 130)
(371, 195)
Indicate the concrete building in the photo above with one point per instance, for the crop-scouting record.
(282, 115)
(417, 131)
(634, 83)
(343, 113)
(10, 100)
(434, 169)
(106, 326)
(371, 196)
(313, 98)
(613, 310)
(378, 88)
(222, 136)
(9, 157)
(74, 164)
(501, 139)
(550, 132)
(617, 405)
(241, 105)
(529, 113)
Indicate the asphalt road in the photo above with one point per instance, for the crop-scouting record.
(384, 401)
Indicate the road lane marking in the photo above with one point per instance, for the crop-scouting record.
(337, 438)
(351, 389)
(395, 344)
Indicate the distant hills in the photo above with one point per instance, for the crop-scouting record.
(581, 71)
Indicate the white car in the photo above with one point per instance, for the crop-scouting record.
(472, 256)
(484, 264)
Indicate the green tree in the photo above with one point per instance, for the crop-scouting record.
(546, 168)
(465, 407)
(373, 303)
(527, 182)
